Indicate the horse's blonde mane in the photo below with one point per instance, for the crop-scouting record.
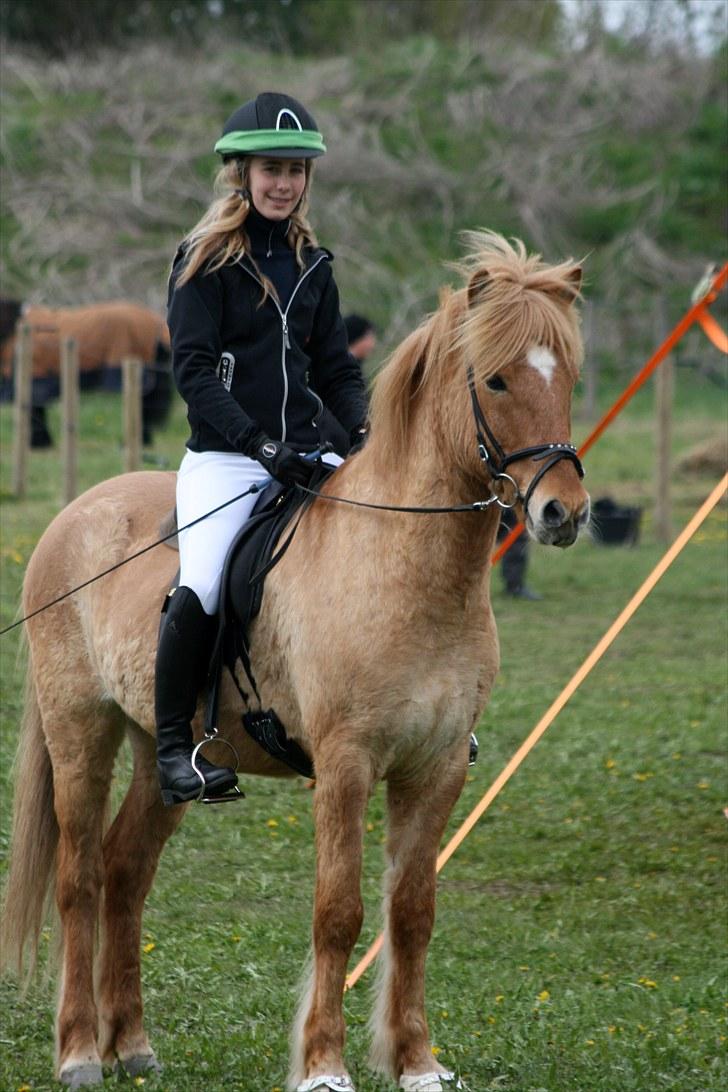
(511, 301)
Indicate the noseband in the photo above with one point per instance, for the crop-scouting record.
(496, 460)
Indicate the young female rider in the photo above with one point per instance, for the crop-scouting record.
(259, 348)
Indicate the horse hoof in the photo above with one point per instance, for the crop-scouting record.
(429, 1082)
(81, 1076)
(139, 1064)
(341, 1083)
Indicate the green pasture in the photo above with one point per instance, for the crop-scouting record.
(581, 930)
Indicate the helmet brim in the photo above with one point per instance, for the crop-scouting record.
(280, 143)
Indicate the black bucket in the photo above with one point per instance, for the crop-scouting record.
(614, 524)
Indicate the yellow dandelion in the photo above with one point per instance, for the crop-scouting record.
(436, 1050)
(589, 1042)
(271, 823)
(490, 1019)
(610, 764)
(292, 818)
(149, 947)
(544, 995)
(370, 827)
(139, 1081)
(642, 776)
(498, 998)
(444, 1013)
(676, 977)
(703, 784)
(235, 938)
(648, 983)
(612, 1029)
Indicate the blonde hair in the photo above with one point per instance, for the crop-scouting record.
(220, 236)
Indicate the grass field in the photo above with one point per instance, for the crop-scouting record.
(581, 931)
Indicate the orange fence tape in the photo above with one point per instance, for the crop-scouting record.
(714, 331)
(552, 712)
(697, 313)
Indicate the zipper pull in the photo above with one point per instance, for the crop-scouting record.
(286, 339)
(270, 238)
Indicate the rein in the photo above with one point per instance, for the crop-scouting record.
(496, 467)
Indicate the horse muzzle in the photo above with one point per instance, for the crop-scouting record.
(553, 524)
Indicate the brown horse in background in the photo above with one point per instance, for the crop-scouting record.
(391, 693)
(106, 333)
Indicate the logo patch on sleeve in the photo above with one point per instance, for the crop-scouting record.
(225, 370)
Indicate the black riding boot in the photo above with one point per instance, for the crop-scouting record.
(185, 644)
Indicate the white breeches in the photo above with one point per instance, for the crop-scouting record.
(205, 480)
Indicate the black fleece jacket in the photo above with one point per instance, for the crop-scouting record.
(245, 369)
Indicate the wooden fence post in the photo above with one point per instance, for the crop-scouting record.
(132, 393)
(69, 417)
(664, 385)
(22, 407)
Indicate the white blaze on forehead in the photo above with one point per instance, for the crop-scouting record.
(543, 360)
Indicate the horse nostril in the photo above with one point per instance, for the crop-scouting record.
(554, 514)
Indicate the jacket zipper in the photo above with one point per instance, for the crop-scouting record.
(286, 343)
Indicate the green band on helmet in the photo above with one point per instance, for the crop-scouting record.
(267, 140)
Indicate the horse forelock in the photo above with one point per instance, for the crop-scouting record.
(516, 302)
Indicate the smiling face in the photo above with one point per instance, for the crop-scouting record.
(276, 185)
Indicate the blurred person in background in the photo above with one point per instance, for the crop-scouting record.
(515, 559)
(362, 336)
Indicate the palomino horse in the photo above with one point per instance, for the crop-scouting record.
(106, 333)
(391, 694)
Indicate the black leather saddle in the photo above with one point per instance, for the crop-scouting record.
(256, 549)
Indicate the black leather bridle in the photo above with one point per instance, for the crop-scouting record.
(496, 460)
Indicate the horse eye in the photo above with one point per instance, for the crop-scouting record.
(495, 383)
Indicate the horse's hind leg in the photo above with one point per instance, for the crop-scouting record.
(343, 783)
(418, 813)
(82, 746)
(131, 850)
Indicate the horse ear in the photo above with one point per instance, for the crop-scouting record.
(573, 279)
(476, 286)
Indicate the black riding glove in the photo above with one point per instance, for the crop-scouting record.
(283, 463)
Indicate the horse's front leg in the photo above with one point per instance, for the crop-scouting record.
(418, 813)
(343, 783)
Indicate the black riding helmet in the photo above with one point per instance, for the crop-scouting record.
(271, 124)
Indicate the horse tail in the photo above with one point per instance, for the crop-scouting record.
(33, 843)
